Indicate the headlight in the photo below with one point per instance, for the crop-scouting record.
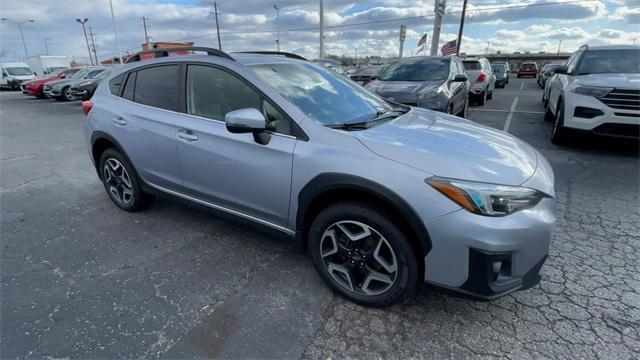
(432, 93)
(84, 83)
(590, 90)
(487, 199)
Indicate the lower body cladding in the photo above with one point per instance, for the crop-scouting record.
(500, 83)
(79, 94)
(489, 257)
(588, 113)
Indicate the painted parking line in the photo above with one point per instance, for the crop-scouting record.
(507, 124)
(522, 85)
(507, 111)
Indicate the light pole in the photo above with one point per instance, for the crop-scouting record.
(82, 22)
(19, 23)
(277, 25)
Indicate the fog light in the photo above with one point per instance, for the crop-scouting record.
(587, 113)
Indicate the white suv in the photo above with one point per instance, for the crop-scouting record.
(597, 90)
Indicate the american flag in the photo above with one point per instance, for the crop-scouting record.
(423, 40)
(450, 48)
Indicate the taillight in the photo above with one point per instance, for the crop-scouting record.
(86, 107)
(481, 77)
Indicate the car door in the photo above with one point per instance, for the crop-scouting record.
(143, 122)
(230, 170)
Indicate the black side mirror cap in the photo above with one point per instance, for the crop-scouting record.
(460, 78)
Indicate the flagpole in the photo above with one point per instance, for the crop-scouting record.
(459, 43)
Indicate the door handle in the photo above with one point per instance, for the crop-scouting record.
(118, 120)
(187, 135)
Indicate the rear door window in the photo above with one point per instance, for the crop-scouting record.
(115, 84)
(157, 86)
(472, 65)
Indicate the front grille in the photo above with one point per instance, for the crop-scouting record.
(626, 99)
(46, 87)
(621, 130)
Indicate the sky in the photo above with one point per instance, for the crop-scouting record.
(368, 27)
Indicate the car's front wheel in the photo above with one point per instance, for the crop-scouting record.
(560, 135)
(121, 181)
(362, 254)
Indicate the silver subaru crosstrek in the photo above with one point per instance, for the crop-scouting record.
(383, 196)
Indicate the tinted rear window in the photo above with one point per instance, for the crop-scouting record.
(472, 65)
(158, 87)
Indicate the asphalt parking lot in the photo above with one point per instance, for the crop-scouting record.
(82, 279)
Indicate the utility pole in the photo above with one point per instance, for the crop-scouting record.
(321, 29)
(488, 46)
(86, 39)
(115, 30)
(437, 25)
(459, 40)
(277, 25)
(19, 23)
(355, 59)
(144, 25)
(46, 45)
(215, 13)
(403, 36)
(93, 45)
(560, 44)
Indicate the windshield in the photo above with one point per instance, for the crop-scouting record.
(609, 61)
(423, 70)
(80, 74)
(321, 94)
(18, 71)
(94, 73)
(498, 68)
(472, 65)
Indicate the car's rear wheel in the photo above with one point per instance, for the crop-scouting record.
(482, 98)
(560, 135)
(490, 95)
(361, 254)
(121, 181)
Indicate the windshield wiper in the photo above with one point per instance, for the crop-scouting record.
(381, 115)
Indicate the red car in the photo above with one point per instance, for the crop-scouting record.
(34, 87)
(528, 69)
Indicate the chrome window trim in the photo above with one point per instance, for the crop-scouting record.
(194, 116)
(224, 209)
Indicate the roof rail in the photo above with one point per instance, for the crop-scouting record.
(279, 53)
(163, 52)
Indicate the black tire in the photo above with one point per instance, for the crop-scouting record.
(450, 109)
(407, 272)
(560, 135)
(489, 94)
(548, 115)
(482, 98)
(463, 112)
(138, 200)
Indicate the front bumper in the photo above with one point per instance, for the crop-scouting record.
(49, 91)
(591, 114)
(14, 84)
(489, 257)
(79, 93)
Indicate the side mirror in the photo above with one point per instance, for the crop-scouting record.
(4, 74)
(460, 78)
(62, 76)
(563, 69)
(248, 120)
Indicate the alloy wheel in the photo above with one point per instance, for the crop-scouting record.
(118, 181)
(67, 94)
(358, 258)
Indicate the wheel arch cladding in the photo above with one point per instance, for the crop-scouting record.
(328, 188)
(100, 142)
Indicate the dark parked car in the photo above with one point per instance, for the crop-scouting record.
(544, 74)
(82, 90)
(502, 74)
(366, 74)
(60, 89)
(432, 82)
(528, 69)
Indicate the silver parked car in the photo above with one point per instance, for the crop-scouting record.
(482, 78)
(383, 196)
(431, 82)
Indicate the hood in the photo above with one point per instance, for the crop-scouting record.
(61, 82)
(623, 81)
(453, 147)
(402, 89)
